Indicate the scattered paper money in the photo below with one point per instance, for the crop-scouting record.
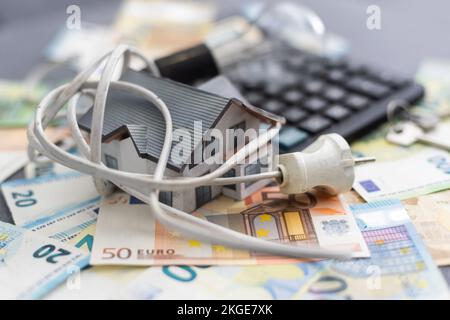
(127, 233)
(399, 268)
(31, 199)
(423, 172)
(431, 217)
(94, 283)
(262, 282)
(32, 265)
(67, 223)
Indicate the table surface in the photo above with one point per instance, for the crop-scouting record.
(411, 30)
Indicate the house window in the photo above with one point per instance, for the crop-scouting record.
(202, 195)
(228, 174)
(240, 125)
(111, 162)
(165, 197)
(205, 144)
(192, 164)
(253, 168)
(264, 162)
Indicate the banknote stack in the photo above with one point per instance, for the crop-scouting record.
(59, 239)
(397, 222)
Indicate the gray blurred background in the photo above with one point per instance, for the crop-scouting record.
(411, 29)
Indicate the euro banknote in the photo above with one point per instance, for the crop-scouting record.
(431, 217)
(32, 265)
(67, 223)
(30, 199)
(97, 282)
(127, 233)
(400, 267)
(422, 172)
(263, 282)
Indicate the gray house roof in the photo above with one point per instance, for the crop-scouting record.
(127, 114)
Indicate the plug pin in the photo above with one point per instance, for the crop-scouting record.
(362, 160)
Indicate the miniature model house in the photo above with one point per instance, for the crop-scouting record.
(133, 135)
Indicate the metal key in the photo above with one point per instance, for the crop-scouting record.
(407, 133)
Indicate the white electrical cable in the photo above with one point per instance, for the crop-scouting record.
(144, 186)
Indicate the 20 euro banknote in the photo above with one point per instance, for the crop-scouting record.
(32, 265)
(30, 199)
(67, 223)
(94, 283)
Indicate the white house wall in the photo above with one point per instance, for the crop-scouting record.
(128, 160)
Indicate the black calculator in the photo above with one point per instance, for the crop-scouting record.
(320, 95)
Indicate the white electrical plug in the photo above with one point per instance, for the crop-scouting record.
(327, 164)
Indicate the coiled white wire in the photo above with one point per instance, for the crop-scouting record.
(145, 186)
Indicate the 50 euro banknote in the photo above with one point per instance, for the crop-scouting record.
(127, 233)
(399, 268)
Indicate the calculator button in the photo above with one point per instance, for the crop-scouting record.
(313, 86)
(314, 104)
(356, 102)
(337, 112)
(367, 87)
(315, 124)
(294, 115)
(336, 75)
(387, 78)
(334, 93)
(293, 96)
(289, 137)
